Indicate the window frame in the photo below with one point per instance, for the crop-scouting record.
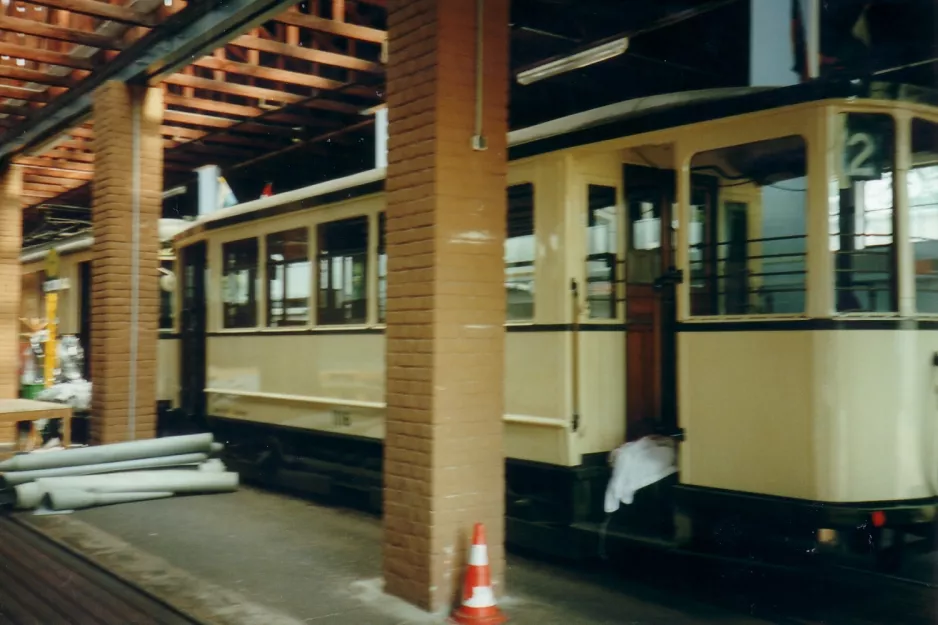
(523, 182)
(253, 283)
(323, 320)
(899, 239)
(270, 265)
(622, 240)
(717, 227)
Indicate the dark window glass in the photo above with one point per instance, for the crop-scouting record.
(343, 263)
(748, 233)
(862, 216)
(922, 185)
(239, 283)
(519, 253)
(289, 278)
(602, 245)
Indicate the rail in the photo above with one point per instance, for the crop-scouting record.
(369, 405)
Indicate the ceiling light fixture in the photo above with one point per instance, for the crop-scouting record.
(578, 60)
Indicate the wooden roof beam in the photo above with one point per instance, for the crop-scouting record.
(267, 73)
(307, 54)
(39, 55)
(100, 10)
(258, 93)
(59, 33)
(333, 27)
(30, 75)
(26, 95)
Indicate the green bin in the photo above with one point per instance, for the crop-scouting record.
(29, 391)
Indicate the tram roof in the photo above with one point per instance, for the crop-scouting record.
(633, 116)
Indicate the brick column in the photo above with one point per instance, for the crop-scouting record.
(444, 459)
(128, 180)
(11, 240)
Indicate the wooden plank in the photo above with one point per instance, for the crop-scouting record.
(323, 25)
(27, 95)
(258, 93)
(100, 10)
(44, 56)
(56, 165)
(19, 111)
(30, 75)
(59, 33)
(307, 54)
(58, 173)
(267, 73)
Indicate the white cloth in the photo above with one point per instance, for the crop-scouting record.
(76, 394)
(636, 465)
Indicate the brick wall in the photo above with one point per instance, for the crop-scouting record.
(112, 282)
(444, 459)
(11, 233)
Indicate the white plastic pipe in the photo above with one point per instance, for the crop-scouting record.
(77, 499)
(30, 494)
(116, 452)
(21, 477)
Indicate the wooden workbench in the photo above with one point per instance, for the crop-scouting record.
(13, 411)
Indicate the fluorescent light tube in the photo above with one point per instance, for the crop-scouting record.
(596, 54)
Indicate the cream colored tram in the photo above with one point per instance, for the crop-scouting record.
(749, 272)
(74, 303)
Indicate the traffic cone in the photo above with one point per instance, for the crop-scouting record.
(478, 600)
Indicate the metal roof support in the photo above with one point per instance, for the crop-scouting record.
(191, 33)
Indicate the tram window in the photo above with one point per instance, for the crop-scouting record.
(343, 261)
(862, 216)
(602, 245)
(382, 268)
(748, 240)
(289, 278)
(519, 253)
(166, 296)
(922, 187)
(239, 284)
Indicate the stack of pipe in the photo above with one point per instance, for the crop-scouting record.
(72, 479)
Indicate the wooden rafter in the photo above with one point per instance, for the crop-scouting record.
(306, 54)
(26, 95)
(267, 73)
(100, 10)
(39, 55)
(31, 75)
(323, 25)
(59, 33)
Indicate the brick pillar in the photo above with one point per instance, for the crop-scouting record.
(128, 179)
(11, 240)
(444, 459)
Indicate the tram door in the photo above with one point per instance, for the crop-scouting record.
(651, 286)
(192, 331)
(649, 195)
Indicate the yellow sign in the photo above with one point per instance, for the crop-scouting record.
(52, 265)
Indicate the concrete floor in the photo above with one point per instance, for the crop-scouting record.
(256, 558)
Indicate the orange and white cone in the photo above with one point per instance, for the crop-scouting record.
(478, 599)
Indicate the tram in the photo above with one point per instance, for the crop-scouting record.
(748, 273)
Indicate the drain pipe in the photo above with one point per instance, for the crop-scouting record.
(134, 265)
(478, 139)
